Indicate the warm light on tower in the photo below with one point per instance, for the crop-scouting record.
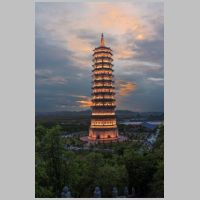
(103, 123)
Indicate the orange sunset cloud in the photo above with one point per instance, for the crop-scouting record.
(125, 88)
(118, 20)
(84, 102)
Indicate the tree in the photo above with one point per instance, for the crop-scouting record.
(131, 164)
(109, 176)
(49, 162)
(157, 184)
(156, 187)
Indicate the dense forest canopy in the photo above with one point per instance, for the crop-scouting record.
(131, 164)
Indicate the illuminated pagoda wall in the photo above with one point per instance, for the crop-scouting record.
(103, 125)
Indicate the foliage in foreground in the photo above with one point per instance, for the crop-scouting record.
(131, 165)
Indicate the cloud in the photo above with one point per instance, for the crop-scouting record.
(46, 77)
(124, 21)
(137, 67)
(151, 51)
(124, 88)
(140, 37)
(66, 34)
(57, 80)
(43, 72)
(155, 80)
(84, 101)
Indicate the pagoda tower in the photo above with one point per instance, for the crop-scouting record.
(103, 125)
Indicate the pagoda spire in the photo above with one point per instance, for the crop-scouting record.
(102, 44)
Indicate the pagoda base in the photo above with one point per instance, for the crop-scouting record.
(103, 135)
(89, 140)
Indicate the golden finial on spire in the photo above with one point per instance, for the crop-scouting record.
(102, 44)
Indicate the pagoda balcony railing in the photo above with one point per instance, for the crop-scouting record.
(105, 54)
(99, 98)
(102, 93)
(102, 52)
(102, 63)
(103, 86)
(106, 90)
(103, 110)
(102, 78)
(102, 72)
(102, 59)
(102, 75)
(103, 106)
(104, 103)
(103, 90)
(103, 81)
(101, 55)
(103, 97)
(104, 69)
(103, 127)
(102, 122)
(104, 113)
(103, 100)
(105, 121)
(101, 117)
(105, 77)
(104, 116)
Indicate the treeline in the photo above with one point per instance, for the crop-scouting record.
(132, 165)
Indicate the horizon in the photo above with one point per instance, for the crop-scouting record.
(89, 110)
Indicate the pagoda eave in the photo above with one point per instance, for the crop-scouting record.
(101, 52)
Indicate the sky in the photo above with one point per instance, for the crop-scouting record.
(65, 36)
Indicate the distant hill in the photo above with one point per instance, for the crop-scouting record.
(63, 113)
(87, 113)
